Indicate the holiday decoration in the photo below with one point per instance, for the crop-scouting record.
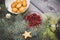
(8, 16)
(27, 34)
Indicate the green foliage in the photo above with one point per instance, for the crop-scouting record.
(49, 34)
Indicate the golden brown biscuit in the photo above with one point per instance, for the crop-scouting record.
(14, 4)
(14, 9)
(22, 9)
(18, 5)
(24, 3)
(18, 11)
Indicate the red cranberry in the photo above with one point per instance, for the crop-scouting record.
(33, 20)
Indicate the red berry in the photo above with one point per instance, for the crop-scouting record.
(33, 20)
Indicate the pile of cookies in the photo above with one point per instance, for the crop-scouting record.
(19, 6)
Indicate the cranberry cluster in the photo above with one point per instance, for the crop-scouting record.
(33, 20)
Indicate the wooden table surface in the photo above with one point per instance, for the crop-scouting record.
(47, 6)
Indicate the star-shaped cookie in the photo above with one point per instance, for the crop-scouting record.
(26, 34)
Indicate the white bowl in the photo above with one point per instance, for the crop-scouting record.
(8, 5)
